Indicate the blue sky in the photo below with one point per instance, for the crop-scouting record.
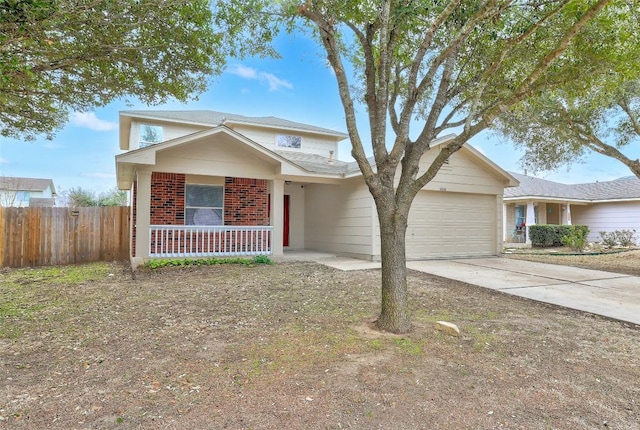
(299, 87)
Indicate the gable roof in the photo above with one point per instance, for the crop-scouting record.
(313, 164)
(125, 162)
(625, 188)
(213, 119)
(26, 184)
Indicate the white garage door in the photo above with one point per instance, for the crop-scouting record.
(451, 225)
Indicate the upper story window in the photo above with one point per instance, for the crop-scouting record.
(23, 196)
(288, 141)
(150, 135)
(204, 204)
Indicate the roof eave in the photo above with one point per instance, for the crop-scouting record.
(337, 135)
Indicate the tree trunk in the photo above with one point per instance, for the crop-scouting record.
(394, 316)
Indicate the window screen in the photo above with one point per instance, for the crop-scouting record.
(150, 135)
(287, 141)
(204, 204)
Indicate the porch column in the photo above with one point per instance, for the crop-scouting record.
(566, 214)
(143, 217)
(505, 229)
(530, 219)
(277, 215)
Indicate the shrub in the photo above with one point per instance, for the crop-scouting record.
(258, 259)
(552, 235)
(618, 237)
(542, 235)
(577, 237)
(608, 239)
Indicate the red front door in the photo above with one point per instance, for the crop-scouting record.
(285, 229)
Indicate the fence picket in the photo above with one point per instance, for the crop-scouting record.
(51, 236)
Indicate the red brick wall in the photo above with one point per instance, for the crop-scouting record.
(245, 201)
(167, 198)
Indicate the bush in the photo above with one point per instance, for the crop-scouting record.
(552, 235)
(577, 237)
(159, 263)
(618, 237)
(542, 235)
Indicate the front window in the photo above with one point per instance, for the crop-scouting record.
(520, 216)
(288, 141)
(150, 135)
(204, 204)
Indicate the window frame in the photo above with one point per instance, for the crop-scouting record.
(278, 145)
(187, 206)
(144, 143)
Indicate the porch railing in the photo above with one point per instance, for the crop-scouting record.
(209, 241)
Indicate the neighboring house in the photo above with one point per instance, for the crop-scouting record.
(23, 192)
(208, 183)
(602, 206)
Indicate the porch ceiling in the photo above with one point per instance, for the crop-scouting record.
(526, 199)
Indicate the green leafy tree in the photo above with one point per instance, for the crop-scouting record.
(63, 55)
(79, 198)
(599, 112)
(423, 68)
(113, 197)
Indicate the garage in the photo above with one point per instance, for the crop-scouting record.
(445, 224)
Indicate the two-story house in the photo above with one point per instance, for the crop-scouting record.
(24, 192)
(207, 183)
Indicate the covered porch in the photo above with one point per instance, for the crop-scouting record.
(520, 215)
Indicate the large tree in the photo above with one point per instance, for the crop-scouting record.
(63, 55)
(422, 68)
(599, 112)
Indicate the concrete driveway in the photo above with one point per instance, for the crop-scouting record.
(603, 293)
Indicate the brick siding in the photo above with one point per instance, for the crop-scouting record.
(167, 198)
(245, 201)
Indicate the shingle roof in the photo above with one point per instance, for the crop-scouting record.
(627, 187)
(42, 202)
(213, 118)
(25, 184)
(315, 163)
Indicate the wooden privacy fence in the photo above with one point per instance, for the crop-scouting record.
(50, 236)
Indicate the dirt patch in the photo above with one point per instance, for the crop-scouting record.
(627, 262)
(288, 346)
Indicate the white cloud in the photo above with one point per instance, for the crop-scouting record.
(4, 161)
(90, 121)
(243, 71)
(274, 82)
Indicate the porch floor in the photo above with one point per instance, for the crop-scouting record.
(328, 259)
(302, 255)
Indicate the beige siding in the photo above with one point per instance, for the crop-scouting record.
(296, 192)
(338, 218)
(169, 131)
(311, 144)
(607, 217)
(213, 158)
(443, 225)
(511, 218)
(463, 174)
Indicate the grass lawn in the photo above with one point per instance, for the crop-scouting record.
(289, 346)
